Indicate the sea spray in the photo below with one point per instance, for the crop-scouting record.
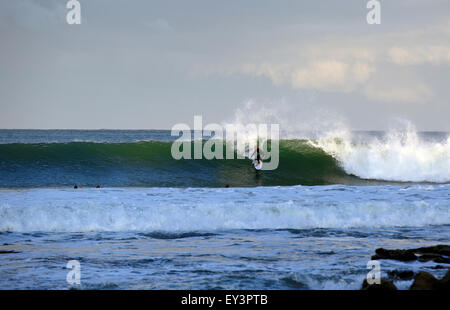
(401, 156)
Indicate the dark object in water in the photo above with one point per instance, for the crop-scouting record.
(401, 274)
(385, 285)
(401, 255)
(438, 254)
(8, 252)
(425, 281)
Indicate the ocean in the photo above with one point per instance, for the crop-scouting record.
(160, 223)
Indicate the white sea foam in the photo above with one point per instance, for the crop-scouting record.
(174, 209)
(398, 156)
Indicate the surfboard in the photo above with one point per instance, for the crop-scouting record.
(257, 166)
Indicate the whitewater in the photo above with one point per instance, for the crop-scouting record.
(192, 209)
(398, 156)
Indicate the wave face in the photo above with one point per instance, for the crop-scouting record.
(150, 164)
(324, 160)
(209, 209)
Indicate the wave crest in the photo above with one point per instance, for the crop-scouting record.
(399, 156)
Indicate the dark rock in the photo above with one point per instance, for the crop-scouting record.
(8, 252)
(425, 281)
(422, 280)
(401, 274)
(438, 254)
(442, 260)
(385, 285)
(437, 249)
(295, 284)
(401, 255)
(427, 257)
(444, 283)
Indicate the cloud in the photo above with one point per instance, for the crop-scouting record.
(331, 75)
(417, 92)
(276, 72)
(383, 67)
(323, 75)
(420, 55)
(371, 77)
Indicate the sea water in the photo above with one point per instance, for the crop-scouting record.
(157, 223)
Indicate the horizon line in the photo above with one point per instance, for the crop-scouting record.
(156, 129)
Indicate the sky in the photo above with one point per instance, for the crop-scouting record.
(144, 64)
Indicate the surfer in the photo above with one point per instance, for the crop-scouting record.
(257, 160)
(258, 154)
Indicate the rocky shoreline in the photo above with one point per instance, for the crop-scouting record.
(422, 280)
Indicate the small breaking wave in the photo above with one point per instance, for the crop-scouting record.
(185, 210)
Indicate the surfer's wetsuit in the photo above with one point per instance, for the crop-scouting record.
(258, 155)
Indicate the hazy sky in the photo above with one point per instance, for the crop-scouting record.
(151, 64)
